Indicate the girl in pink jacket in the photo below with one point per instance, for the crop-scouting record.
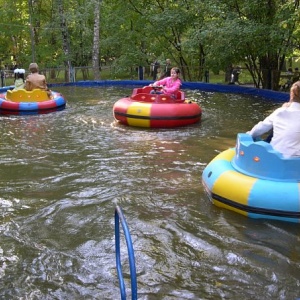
(171, 85)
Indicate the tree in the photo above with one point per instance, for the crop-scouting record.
(195, 35)
(257, 34)
(65, 40)
(96, 42)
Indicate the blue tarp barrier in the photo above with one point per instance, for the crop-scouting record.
(206, 87)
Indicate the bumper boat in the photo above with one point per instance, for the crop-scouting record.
(255, 180)
(15, 102)
(143, 109)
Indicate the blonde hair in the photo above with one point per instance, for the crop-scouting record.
(295, 92)
(33, 67)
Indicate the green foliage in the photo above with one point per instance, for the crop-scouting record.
(196, 35)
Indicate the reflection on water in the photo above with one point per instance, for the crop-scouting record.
(63, 173)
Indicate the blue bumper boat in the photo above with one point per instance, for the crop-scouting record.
(255, 180)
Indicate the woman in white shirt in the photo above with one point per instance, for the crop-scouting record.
(285, 122)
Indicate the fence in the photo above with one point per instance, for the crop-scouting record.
(86, 73)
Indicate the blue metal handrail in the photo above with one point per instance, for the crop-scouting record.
(119, 216)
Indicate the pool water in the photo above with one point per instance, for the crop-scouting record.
(63, 173)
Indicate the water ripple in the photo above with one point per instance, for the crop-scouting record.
(62, 175)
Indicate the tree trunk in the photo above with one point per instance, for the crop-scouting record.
(228, 73)
(96, 42)
(31, 30)
(270, 71)
(65, 39)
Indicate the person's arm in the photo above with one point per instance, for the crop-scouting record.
(160, 82)
(45, 83)
(262, 126)
(27, 85)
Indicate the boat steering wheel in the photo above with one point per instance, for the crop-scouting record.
(157, 87)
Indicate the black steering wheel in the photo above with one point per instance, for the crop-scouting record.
(157, 87)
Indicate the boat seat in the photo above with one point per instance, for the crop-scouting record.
(137, 92)
(36, 95)
(259, 159)
(180, 95)
(143, 90)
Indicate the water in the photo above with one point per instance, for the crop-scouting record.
(63, 173)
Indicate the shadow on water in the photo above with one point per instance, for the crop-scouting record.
(62, 174)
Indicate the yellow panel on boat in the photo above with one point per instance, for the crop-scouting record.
(225, 155)
(233, 186)
(140, 111)
(37, 95)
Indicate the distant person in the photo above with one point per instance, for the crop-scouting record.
(285, 123)
(36, 80)
(159, 73)
(206, 76)
(2, 78)
(235, 75)
(19, 79)
(170, 85)
(296, 75)
(167, 71)
(286, 85)
(155, 67)
(289, 71)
